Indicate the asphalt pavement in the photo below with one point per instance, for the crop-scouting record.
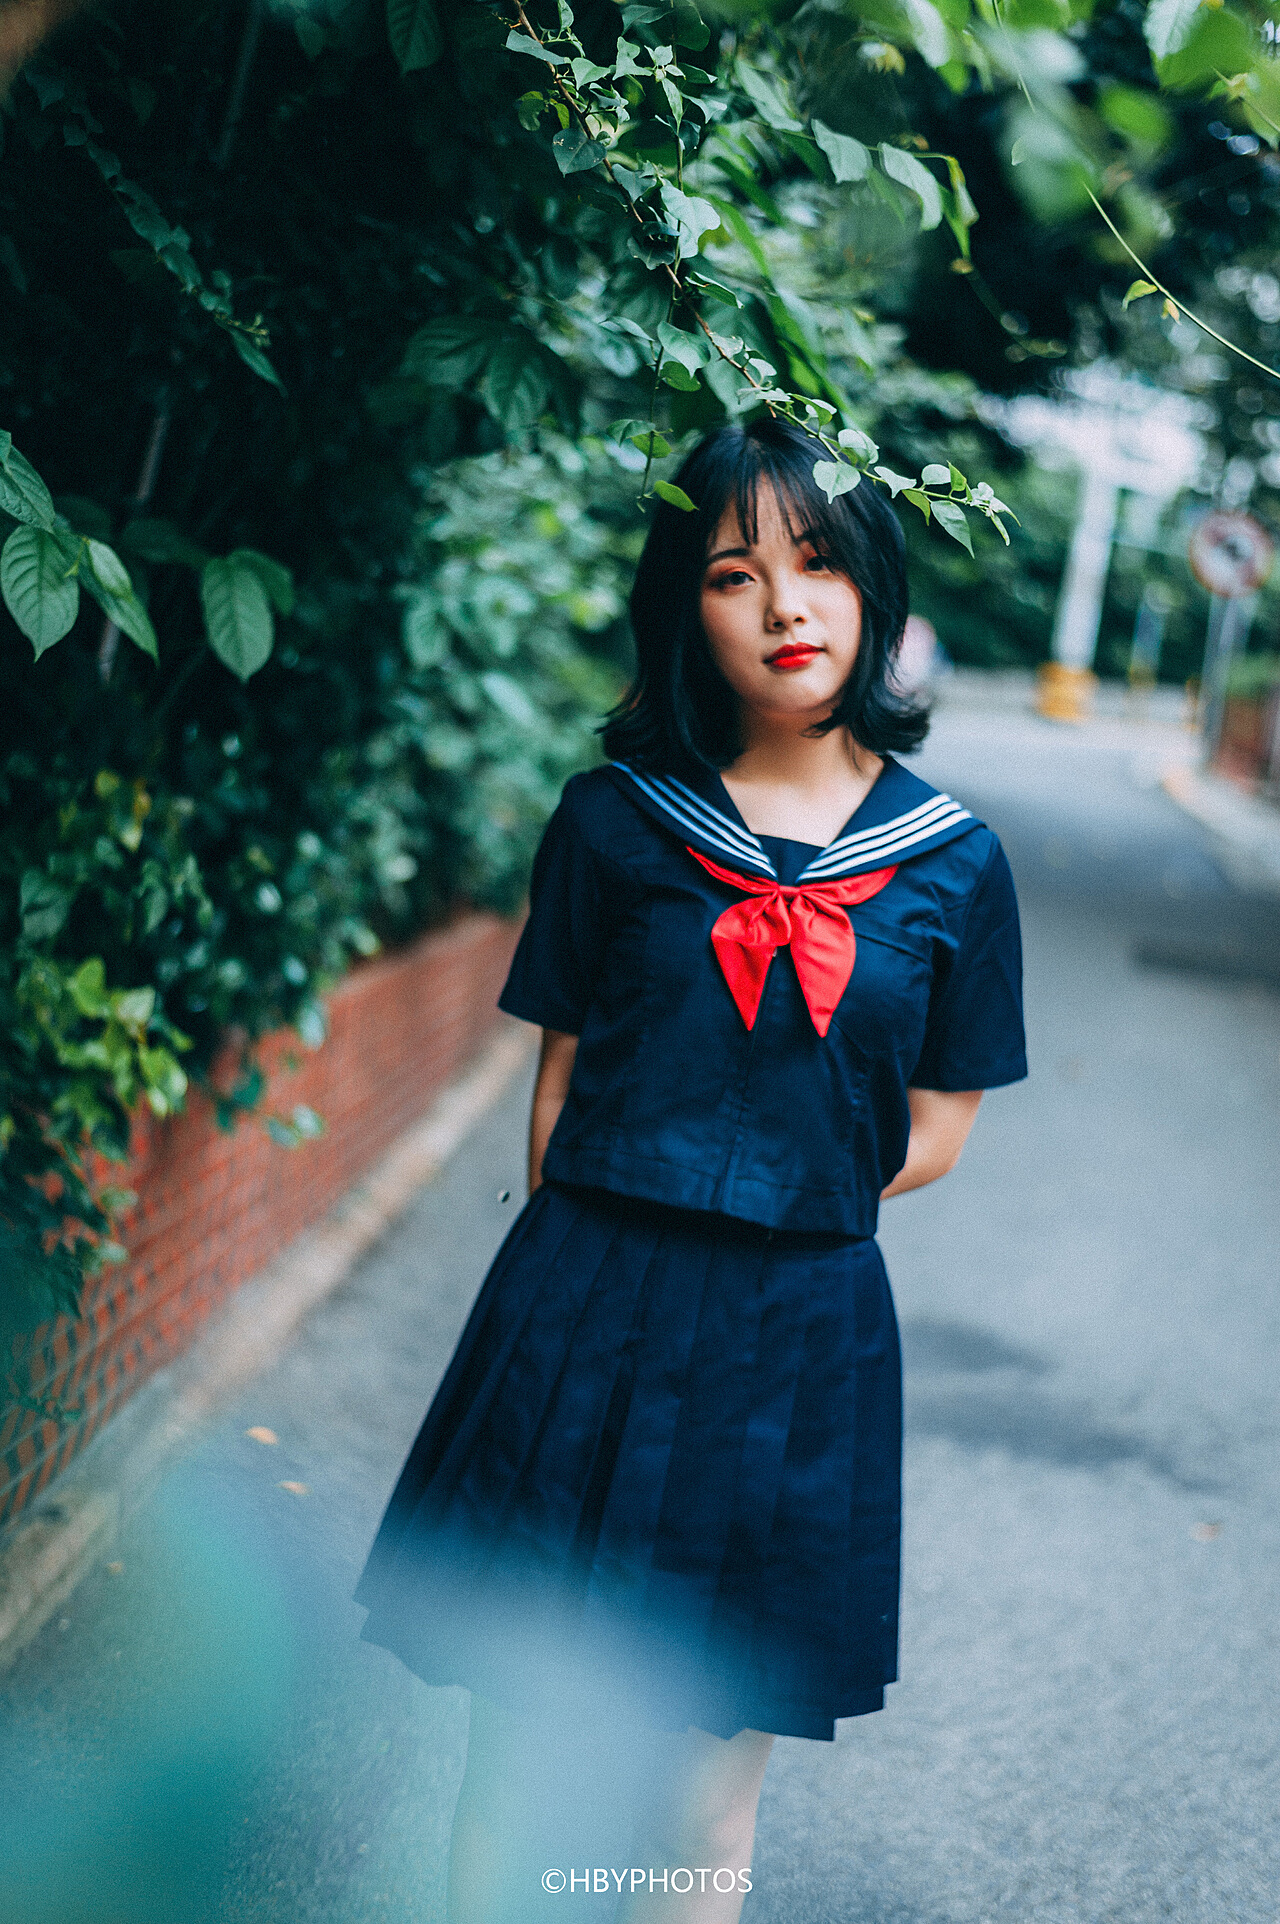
(1085, 1729)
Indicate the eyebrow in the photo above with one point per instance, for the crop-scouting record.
(797, 541)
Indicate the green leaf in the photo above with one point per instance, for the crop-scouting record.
(1137, 289)
(918, 499)
(22, 493)
(109, 568)
(952, 518)
(928, 31)
(521, 43)
(894, 482)
(733, 219)
(237, 616)
(653, 446)
(575, 151)
(1137, 114)
(414, 33)
(729, 386)
(255, 358)
(692, 30)
(860, 445)
(509, 696)
(690, 215)
(38, 591)
(134, 1008)
(426, 636)
(690, 350)
(44, 906)
(916, 178)
(715, 290)
(936, 475)
(680, 378)
(767, 97)
(448, 352)
(514, 385)
(161, 542)
(1220, 42)
(274, 576)
(106, 578)
(850, 160)
(676, 497)
(1167, 26)
(88, 986)
(39, 1283)
(835, 477)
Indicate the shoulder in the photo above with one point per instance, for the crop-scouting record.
(979, 881)
(968, 861)
(597, 812)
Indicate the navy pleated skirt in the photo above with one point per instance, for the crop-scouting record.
(665, 1461)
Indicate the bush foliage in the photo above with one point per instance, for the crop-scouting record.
(339, 337)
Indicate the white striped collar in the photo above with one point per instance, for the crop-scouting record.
(932, 819)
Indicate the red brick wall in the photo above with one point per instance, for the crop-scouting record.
(214, 1207)
(1248, 733)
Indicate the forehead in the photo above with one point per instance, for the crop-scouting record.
(766, 516)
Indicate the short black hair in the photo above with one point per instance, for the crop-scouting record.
(679, 711)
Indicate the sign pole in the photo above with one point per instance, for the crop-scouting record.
(1231, 556)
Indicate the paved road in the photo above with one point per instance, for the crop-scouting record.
(1086, 1725)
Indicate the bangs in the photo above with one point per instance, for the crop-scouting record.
(786, 469)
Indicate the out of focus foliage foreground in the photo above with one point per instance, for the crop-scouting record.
(319, 320)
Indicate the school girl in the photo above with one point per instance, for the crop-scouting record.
(774, 970)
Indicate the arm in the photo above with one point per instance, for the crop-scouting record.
(940, 1123)
(555, 1066)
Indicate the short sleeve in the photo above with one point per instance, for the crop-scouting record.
(558, 959)
(974, 1036)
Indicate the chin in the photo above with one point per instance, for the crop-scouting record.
(788, 703)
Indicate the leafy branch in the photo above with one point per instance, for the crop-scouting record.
(595, 105)
(45, 562)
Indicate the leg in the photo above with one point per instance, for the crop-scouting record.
(492, 1818)
(540, 1791)
(705, 1821)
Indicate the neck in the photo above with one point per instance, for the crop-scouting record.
(802, 787)
(783, 754)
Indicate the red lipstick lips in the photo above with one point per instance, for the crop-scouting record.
(792, 654)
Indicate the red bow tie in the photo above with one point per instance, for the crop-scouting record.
(810, 916)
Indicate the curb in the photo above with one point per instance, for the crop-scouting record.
(47, 1553)
(1247, 832)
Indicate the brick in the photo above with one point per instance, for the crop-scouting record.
(215, 1206)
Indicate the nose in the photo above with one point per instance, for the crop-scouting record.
(785, 607)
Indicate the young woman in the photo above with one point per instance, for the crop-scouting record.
(774, 971)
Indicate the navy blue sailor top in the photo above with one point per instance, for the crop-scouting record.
(673, 1097)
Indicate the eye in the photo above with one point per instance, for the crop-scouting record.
(818, 562)
(731, 578)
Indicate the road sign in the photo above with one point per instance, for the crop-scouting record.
(1230, 554)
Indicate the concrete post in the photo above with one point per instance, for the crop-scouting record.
(1066, 682)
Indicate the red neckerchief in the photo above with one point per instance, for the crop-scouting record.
(809, 916)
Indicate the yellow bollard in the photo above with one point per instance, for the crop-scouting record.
(1064, 694)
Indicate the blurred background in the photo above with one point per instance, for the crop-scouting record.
(322, 360)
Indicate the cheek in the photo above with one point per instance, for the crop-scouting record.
(732, 632)
(842, 613)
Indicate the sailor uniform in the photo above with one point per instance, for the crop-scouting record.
(670, 1438)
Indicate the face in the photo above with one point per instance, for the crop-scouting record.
(782, 625)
